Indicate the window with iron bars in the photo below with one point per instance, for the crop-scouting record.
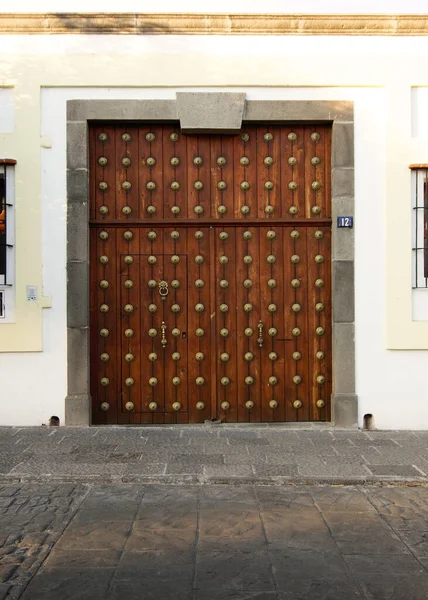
(7, 193)
(7, 239)
(420, 225)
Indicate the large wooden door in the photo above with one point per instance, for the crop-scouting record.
(210, 275)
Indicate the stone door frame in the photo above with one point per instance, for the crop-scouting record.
(205, 112)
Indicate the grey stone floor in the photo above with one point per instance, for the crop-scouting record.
(216, 454)
(209, 542)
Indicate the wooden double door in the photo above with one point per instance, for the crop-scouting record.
(209, 315)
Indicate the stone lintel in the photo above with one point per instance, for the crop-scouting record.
(304, 111)
(210, 112)
(120, 110)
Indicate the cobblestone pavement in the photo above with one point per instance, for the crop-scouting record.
(209, 542)
(32, 517)
(216, 454)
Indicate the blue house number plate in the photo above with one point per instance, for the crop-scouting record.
(345, 222)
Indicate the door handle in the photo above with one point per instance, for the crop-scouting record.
(260, 339)
(164, 341)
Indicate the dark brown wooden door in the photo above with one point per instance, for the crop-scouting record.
(210, 275)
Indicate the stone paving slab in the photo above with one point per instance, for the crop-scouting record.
(193, 542)
(262, 454)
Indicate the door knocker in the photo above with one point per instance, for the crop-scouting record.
(163, 289)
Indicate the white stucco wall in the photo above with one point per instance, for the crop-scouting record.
(390, 383)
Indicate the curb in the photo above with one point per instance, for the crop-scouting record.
(203, 480)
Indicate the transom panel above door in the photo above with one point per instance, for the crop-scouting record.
(220, 309)
(156, 173)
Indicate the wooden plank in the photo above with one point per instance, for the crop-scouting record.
(226, 320)
(299, 169)
(310, 193)
(174, 174)
(313, 322)
(109, 320)
(240, 196)
(251, 174)
(142, 359)
(126, 174)
(285, 152)
(227, 175)
(152, 345)
(215, 388)
(194, 295)
(301, 321)
(193, 174)
(168, 366)
(129, 320)
(273, 171)
(171, 320)
(180, 273)
(255, 297)
(180, 151)
(327, 170)
(105, 174)
(319, 305)
(157, 273)
(326, 323)
(198, 323)
(206, 341)
(318, 173)
(97, 392)
(215, 171)
(202, 173)
(243, 342)
(141, 366)
(292, 368)
(149, 173)
(263, 195)
(273, 272)
(169, 175)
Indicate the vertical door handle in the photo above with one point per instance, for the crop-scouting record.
(260, 339)
(163, 336)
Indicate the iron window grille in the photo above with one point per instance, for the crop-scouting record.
(6, 222)
(420, 226)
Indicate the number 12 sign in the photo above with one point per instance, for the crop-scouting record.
(345, 222)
